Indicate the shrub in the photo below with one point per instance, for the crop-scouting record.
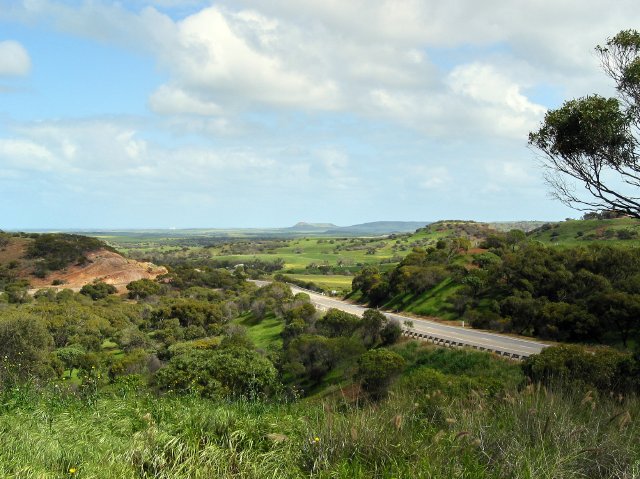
(98, 290)
(603, 368)
(390, 332)
(60, 250)
(223, 372)
(143, 288)
(337, 323)
(135, 362)
(25, 345)
(377, 369)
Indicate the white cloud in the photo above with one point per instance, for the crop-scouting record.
(110, 154)
(497, 98)
(14, 59)
(398, 60)
(26, 154)
(169, 100)
(223, 53)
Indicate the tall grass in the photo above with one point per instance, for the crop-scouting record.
(534, 433)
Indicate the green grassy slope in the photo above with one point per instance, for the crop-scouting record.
(584, 232)
(265, 334)
(445, 430)
(431, 303)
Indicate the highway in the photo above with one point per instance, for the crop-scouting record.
(437, 333)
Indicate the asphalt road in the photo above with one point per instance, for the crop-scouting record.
(435, 332)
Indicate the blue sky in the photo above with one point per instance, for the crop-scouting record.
(257, 113)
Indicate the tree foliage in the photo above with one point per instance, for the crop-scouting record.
(377, 369)
(593, 141)
(222, 372)
(604, 368)
(98, 290)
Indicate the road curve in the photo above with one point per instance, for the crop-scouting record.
(437, 333)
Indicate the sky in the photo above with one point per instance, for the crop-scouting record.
(263, 113)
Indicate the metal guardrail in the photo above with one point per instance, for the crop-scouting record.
(453, 343)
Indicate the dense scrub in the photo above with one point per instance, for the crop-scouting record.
(57, 250)
(580, 294)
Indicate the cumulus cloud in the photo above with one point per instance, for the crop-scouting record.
(14, 59)
(370, 58)
(496, 98)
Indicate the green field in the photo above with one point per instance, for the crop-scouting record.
(327, 281)
(300, 253)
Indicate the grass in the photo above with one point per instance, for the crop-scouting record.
(585, 232)
(533, 433)
(327, 281)
(265, 334)
(431, 303)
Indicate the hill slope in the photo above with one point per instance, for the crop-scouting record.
(621, 231)
(67, 261)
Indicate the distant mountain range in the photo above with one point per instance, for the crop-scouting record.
(373, 228)
(380, 228)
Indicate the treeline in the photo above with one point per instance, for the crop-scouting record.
(176, 259)
(583, 294)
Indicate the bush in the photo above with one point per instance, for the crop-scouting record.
(425, 381)
(337, 323)
(25, 345)
(135, 362)
(228, 372)
(603, 368)
(377, 369)
(391, 332)
(143, 288)
(309, 358)
(60, 250)
(98, 290)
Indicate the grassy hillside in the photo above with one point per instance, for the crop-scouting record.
(619, 231)
(430, 427)
(434, 302)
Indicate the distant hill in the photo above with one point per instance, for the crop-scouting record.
(301, 229)
(311, 227)
(375, 228)
(379, 228)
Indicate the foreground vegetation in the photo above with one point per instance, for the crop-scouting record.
(127, 434)
(203, 374)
